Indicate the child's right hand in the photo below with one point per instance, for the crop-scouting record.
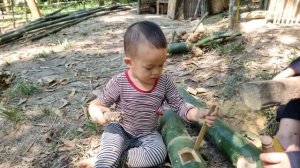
(113, 116)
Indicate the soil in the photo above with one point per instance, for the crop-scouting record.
(70, 65)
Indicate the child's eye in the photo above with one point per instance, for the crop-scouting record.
(148, 68)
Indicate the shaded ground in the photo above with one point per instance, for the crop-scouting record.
(69, 65)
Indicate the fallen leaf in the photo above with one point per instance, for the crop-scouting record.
(191, 90)
(41, 124)
(48, 136)
(21, 101)
(64, 103)
(71, 95)
(85, 141)
(28, 159)
(201, 90)
(68, 143)
(85, 112)
(58, 112)
(80, 129)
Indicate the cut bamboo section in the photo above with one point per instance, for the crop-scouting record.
(179, 144)
(234, 146)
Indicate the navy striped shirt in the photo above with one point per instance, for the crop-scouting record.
(140, 107)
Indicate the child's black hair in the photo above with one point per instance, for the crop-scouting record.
(141, 31)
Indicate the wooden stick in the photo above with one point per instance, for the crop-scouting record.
(200, 21)
(203, 130)
(197, 9)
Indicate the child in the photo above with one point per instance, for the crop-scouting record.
(139, 94)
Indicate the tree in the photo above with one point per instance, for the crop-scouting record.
(234, 15)
(35, 11)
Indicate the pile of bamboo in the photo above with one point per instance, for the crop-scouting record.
(54, 22)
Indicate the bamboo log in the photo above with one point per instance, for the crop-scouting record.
(262, 94)
(65, 25)
(179, 143)
(8, 37)
(183, 47)
(238, 150)
(57, 11)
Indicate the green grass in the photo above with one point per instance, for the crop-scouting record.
(46, 110)
(67, 44)
(272, 125)
(93, 127)
(43, 54)
(12, 114)
(263, 75)
(231, 85)
(21, 89)
(293, 56)
(228, 48)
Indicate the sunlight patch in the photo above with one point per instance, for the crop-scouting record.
(287, 39)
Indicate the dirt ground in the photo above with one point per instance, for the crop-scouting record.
(69, 65)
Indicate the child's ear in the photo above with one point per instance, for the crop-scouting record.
(128, 61)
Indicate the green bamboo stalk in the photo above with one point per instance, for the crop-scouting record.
(179, 144)
(235, 147)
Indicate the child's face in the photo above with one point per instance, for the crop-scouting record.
(147, 64)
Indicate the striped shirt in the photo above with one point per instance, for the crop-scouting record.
(140, 107)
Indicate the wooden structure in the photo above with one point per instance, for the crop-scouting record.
(283, 11)
(146, 5)
(160, 4)
(262, 94)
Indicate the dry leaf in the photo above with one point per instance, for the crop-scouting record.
(191, 90)
(85, 141)
(58, 112)
(48, 136)
(21, 101)
(64, 103)
(80, 129)
(71, 95)
(68, 143)
(85, 112)
(41, 124)
(28, 159)
(201, 90)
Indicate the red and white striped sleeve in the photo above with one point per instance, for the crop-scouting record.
(111, 92)
(175, 100)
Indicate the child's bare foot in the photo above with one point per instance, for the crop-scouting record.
(87, 163)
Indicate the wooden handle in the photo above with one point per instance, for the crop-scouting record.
(203, 130)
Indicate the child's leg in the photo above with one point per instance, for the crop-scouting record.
(148, 151)
(113, 144)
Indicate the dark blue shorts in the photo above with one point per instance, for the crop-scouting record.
(290, 110)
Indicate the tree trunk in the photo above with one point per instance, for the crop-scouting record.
(179, 144)
(233, 145)
(35, 11)
(7, 5)
(101, 2)
(234, 15)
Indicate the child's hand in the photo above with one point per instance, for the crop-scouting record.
(113, 116)
(209, 119)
